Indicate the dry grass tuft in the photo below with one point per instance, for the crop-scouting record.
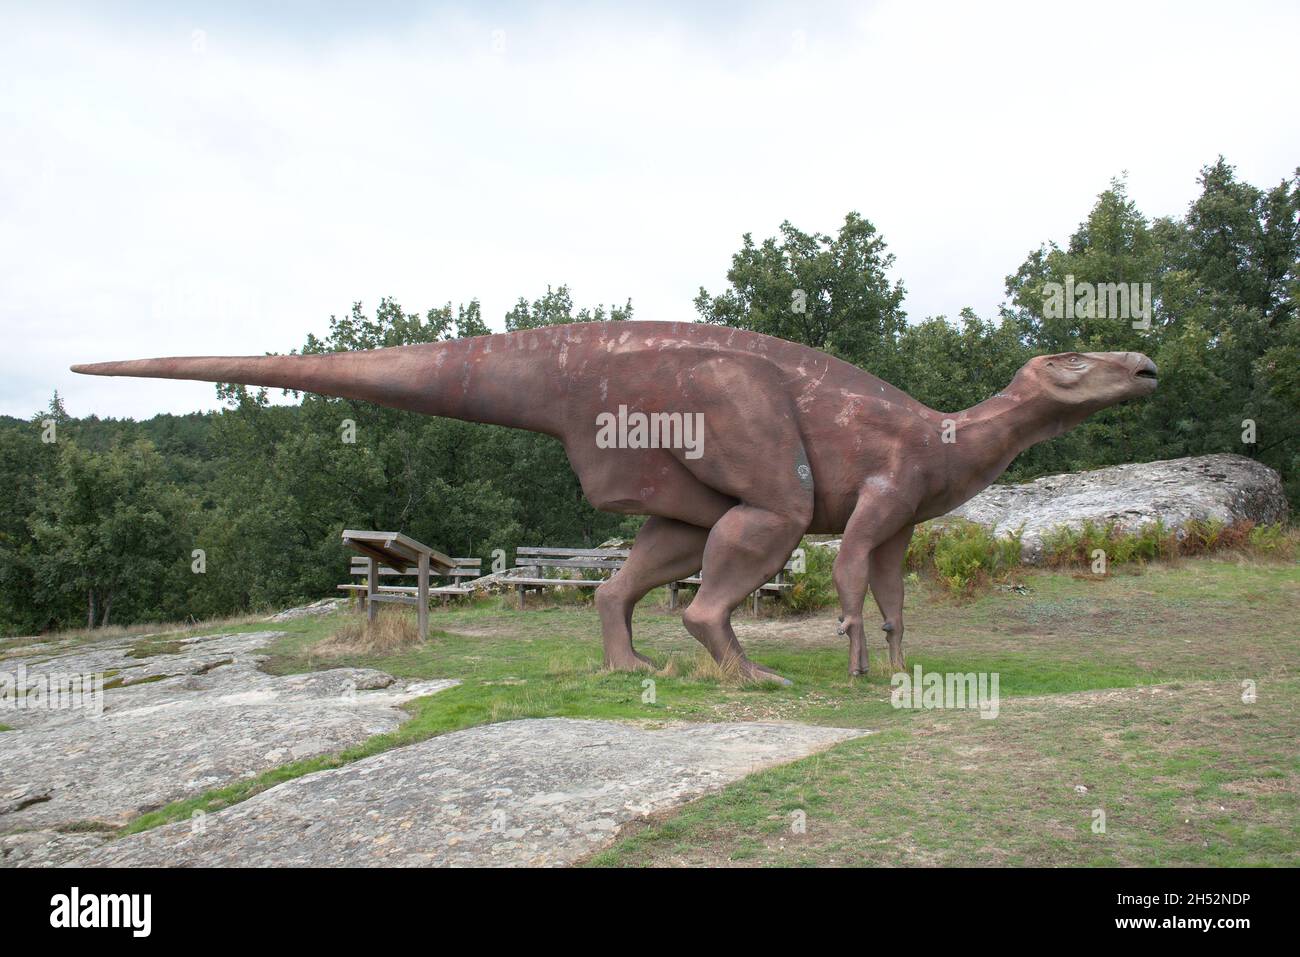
(392, 631)
(700, 666)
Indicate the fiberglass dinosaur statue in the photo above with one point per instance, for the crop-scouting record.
(789, 441)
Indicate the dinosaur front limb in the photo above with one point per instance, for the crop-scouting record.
(850, 577)
(664, 551)
(874, 523)
(886, 570)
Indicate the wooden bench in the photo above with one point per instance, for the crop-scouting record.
(464, 569)
(608, 560)
(776, 586)
(540, 560)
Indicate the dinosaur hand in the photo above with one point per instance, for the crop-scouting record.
(851, 625)
(894, 636)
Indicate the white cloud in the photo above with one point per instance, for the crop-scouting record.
(161, 200)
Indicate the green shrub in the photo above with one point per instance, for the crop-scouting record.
(1066, 546)
(1272, 540)
(966, 554)
(1124, 549)
(920, 550)
(1060, 546)
(814, 587)
(963, 555)
(1200, 537)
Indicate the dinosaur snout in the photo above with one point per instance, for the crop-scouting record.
(1144, 368)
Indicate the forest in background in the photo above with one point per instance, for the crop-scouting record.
(101, 525)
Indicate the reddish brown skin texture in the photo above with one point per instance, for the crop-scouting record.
(794, 441)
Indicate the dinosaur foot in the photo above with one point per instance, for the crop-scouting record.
(756, 672)
(629, 660)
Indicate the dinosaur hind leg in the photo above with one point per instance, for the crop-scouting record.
(664, 551)
(746, 547)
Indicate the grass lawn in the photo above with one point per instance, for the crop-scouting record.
(1121, 696)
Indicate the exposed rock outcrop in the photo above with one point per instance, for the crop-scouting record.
(326, 606)
(539, 792)
(193, 715)
(1222, 487)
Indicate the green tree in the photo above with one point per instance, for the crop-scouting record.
(25, 461)
(829, 292)
(555, 308)
(1238, 262)
(952, 367)
(1114, 244)
(109, 532)
(1222, 329)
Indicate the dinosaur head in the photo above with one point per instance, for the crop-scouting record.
(1090, 381)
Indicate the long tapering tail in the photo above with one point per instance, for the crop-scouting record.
(440, 378)
(395, 377)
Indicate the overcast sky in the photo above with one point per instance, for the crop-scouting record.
(189, 179)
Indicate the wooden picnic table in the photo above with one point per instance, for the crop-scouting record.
(395, 550)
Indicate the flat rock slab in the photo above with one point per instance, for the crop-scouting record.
(326, 606)
(198, 716)
(540, 792)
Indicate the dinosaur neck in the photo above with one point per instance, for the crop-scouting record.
(991, 434)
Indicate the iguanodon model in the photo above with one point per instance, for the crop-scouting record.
(766, 440)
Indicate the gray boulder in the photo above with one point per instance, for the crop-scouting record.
(1225, 487)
